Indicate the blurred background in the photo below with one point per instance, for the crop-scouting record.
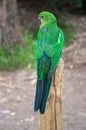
(18, 29)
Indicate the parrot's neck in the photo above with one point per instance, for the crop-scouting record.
(48, 25)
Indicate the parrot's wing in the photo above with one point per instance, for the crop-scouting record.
(54, 63)
(55, 53)
(54, 49)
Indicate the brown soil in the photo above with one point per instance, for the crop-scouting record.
(17, 89)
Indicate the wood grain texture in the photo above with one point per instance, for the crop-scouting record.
(53, 117)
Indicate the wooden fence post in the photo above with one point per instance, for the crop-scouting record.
(53, 117)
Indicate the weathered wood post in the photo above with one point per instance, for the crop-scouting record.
(53, 117)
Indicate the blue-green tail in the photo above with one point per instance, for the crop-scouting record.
(42, 92)
(38, 96)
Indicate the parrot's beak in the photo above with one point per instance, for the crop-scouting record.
(39, 19)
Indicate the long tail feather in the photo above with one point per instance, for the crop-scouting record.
(38, 96)
(46, 88)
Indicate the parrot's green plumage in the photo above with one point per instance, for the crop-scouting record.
(48, 50)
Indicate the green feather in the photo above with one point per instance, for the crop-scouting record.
(48, 50)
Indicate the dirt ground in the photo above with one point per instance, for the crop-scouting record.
(17, 89)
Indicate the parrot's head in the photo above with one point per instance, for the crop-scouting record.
(46, 18)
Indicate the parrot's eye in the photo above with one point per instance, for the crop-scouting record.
(42, 17)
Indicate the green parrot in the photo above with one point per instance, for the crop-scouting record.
(48, 50)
